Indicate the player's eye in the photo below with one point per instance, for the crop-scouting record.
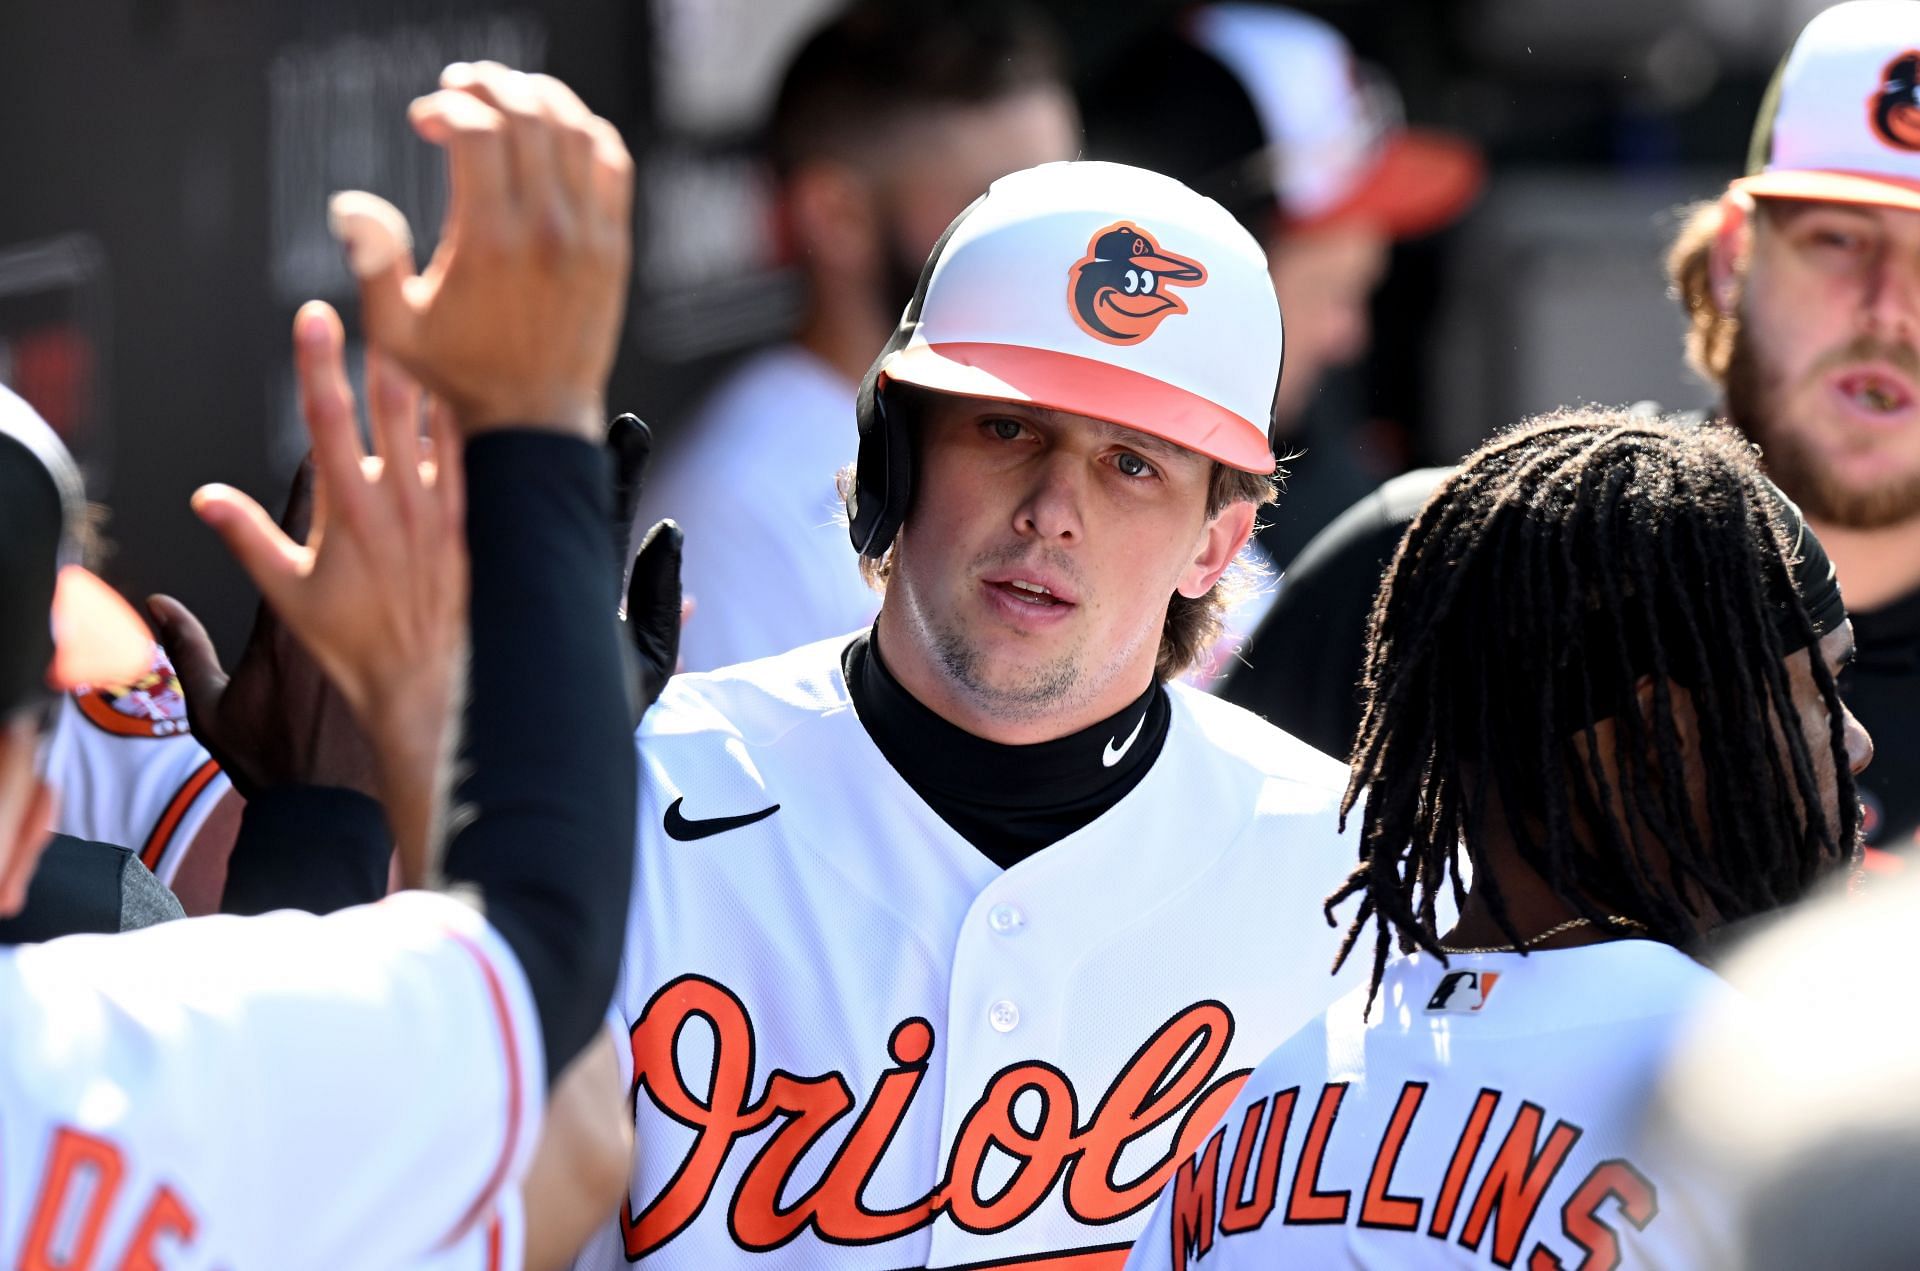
(1836, 240)
(1146, 282)
(1132, 465)
(1133, 281)
(1006, 429)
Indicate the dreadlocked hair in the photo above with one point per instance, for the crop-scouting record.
(1564, 561)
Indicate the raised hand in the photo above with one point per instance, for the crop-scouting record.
(378, 591)
(276, 720)
(515, 319)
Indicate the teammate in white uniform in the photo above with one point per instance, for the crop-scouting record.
(1575, 665)
(128, 768)
(358, 1090)
(950, 935)
(124, 759)
(889, 120)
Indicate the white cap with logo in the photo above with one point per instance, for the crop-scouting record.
(1841, 122)
(1107, 291)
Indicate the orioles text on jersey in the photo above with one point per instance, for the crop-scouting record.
(1075, 1145)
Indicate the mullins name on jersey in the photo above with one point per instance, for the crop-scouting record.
(1245, 1178)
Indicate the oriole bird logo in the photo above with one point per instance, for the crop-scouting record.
(1121, 290)
(1896, 107)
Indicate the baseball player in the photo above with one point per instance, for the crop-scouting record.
(125, 761)
(888, 120)
(951, 934)
(361, 1089)
(1800, 296)
(129, 770)
(1576, 674)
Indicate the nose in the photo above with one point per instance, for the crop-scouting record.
(1859, 744)
(1892, 302)
(1051, 506)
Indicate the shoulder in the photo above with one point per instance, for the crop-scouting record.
(1242, 743)
(1324, 1048)
(754, 703)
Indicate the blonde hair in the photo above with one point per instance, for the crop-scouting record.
(1192, 624)
(1711, 332)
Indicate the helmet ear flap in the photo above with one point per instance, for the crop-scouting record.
(882, 475)
(883, 469)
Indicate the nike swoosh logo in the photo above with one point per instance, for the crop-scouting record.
(686, 829)
(1113, 754)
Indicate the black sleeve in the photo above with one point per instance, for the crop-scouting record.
(1301, 670)
(544, 808)
(317, 848)
(83, 887)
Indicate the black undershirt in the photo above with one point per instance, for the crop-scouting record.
(1882, 687)
(1008, 801)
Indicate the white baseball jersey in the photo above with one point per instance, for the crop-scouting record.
(281, 1092)
(858, 1043)
(1490, 1113)
(129, 771)
(498, 1244)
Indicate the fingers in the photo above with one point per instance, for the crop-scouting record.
(190, 650)
(575, 141)
(519, 309)
(474, 136)
(613, 179)
(297, 517)
(326, 399)
(449, 468)
(393, 409)
(379, 247)
(653, 602)
(555, 145)
(274, 562)
(534, 165)
(630, 442)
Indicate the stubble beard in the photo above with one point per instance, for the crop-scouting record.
(1754, 405)
(1021, 695)
(1040, 691)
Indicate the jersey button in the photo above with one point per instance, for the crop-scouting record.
(1008, 920)
(1004, 1016)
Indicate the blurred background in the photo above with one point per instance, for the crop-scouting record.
(164, 168)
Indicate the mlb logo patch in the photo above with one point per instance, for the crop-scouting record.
(1462, 992)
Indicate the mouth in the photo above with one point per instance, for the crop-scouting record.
(1875, 392)
(1023, 594)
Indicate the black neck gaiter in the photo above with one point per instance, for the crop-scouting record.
(1008, 801)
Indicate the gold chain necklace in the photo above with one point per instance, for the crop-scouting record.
(1613, 919)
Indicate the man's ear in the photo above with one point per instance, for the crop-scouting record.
(1727, 254)
(1225, 534)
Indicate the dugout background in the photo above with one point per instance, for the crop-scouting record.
(164, 166)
